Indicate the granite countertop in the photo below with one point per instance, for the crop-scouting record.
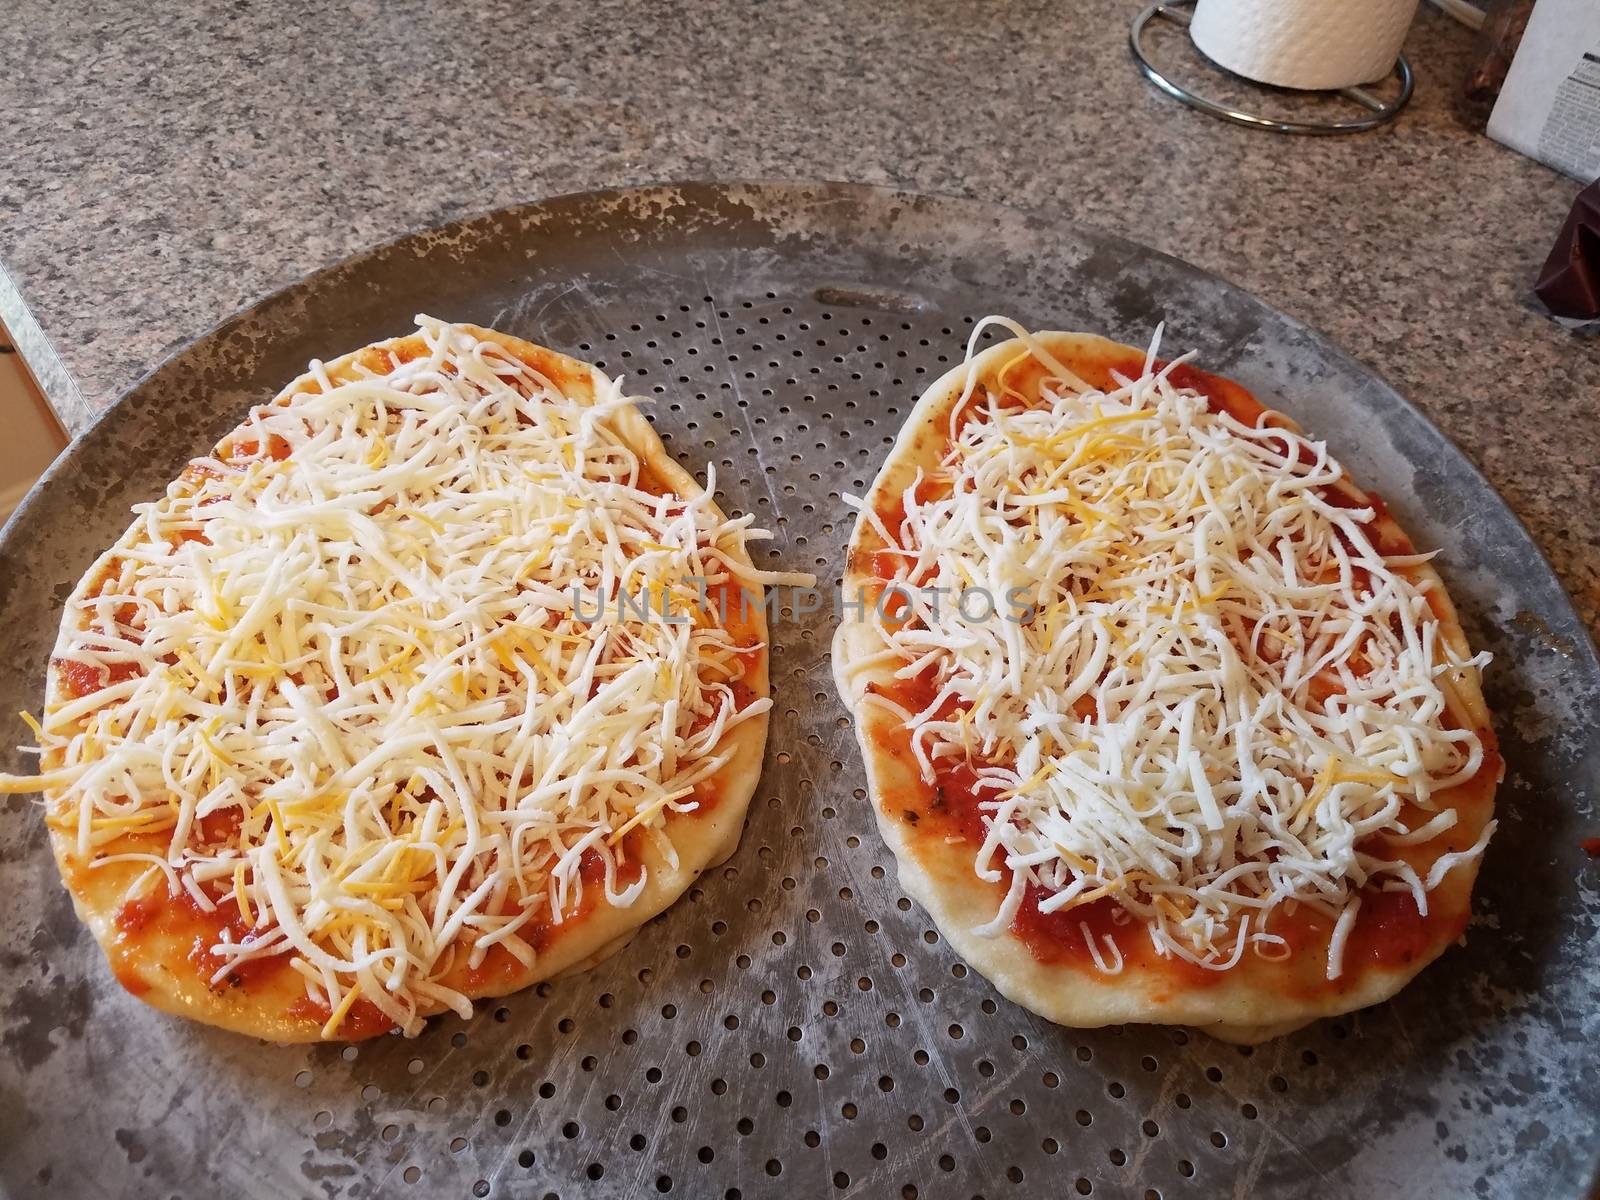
(161, 174)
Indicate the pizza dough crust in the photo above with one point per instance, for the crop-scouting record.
(1256, 1000)
(156, 962)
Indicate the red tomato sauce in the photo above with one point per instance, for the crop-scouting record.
(82, 679)
(180, 919)
(132, 982)
(499, 965)
(893, 513)
(365, 1019)
(178, 536)
(136, 915)
(542, 933)
(882, 563)
(1055, 937)
(1391, 932)
(735, 609)
(886, 564)
(1222, 395)
(592, 870)
(954, 799)
(249, 448)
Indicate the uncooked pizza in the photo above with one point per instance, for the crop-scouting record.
(1164, 717)
(437, 677)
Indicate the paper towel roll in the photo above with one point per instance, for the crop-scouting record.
(1310, 44)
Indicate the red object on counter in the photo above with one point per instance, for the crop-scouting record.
(1569, 285)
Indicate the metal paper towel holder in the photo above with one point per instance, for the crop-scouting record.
(1379, 112)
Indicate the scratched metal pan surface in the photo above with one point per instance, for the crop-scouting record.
(794, 1027)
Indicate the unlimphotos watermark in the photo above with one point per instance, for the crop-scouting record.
(890, 602)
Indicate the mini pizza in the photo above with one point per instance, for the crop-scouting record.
(437, 677)
(1164, 718)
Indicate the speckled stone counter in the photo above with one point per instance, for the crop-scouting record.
(160, 174)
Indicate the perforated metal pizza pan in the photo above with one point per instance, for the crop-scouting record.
(794, 1026)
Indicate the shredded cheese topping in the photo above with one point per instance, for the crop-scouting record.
(1221, 696)
(381, 678)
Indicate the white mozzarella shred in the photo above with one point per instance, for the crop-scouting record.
(1220, 695)
(1341, 935)
(430, 644)
(1103, 964)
